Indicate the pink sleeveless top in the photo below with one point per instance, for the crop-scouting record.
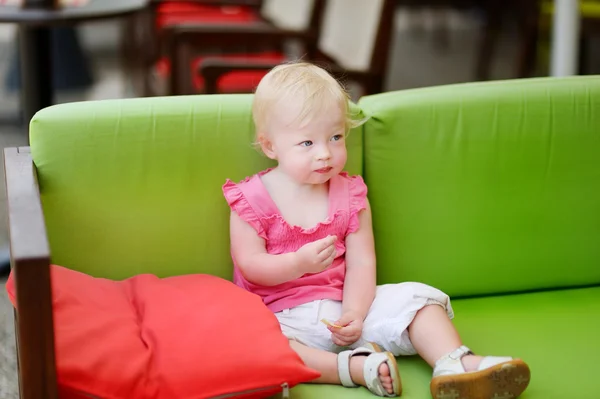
(251, 201)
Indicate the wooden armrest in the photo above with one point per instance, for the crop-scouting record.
(30, 262)
(182, 40)
(212, 69)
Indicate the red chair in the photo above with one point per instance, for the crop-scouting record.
(169, 13)
(351, 38)
(183, 79)
(143, 32)
(238, 82)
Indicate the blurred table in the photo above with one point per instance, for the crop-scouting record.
(35, 18)
(565, 38)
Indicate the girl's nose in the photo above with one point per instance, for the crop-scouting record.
(323, 154)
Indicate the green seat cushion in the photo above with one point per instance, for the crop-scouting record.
(496, 183)
(555, 332)
(134, 186)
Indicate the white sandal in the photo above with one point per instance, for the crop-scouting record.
(375, 358)
(495, 378)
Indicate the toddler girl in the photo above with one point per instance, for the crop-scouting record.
(302, 239)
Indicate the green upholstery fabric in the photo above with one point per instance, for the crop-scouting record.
(134, 186)
(556, 332)
(487, 188)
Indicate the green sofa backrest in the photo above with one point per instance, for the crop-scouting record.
(134, 186)
(487, 187)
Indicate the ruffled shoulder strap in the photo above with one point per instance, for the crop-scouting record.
(246, 199)
(357, 200)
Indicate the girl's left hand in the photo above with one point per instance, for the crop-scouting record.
(350, 332)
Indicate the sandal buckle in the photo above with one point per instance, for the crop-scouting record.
(458, 353)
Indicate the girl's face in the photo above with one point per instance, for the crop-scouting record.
(311, 152)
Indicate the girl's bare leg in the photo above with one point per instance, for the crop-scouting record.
(433, 335)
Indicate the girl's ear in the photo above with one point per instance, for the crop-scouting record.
(266, 146)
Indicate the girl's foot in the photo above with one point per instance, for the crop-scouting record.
(462, 374)
(357, 364)
(471, 362)
(372, 368)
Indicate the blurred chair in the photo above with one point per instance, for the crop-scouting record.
(352, 42)
(162, 15)
(142, 33)
(293, 28)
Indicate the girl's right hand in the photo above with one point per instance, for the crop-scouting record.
(316, 256)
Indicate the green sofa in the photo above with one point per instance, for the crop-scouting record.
(488, 191)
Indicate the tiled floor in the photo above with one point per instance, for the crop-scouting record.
(415, 62)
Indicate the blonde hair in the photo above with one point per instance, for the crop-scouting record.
(303, 81)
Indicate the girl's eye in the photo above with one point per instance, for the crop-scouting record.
(337, 137)
(306, 143)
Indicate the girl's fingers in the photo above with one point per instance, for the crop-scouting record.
(343, 342)
(345, 333)
(325, 243)
(331, 258)
(328, 253)
(330, 249)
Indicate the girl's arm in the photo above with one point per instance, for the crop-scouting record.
(360, 282)
(256, 265)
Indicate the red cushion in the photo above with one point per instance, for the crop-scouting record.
(174, 12)
(232, 82)
(192, 336)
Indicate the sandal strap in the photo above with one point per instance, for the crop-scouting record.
(456, 354)
(450, 363)
(343, 363)
(459, 352)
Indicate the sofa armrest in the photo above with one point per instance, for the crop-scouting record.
(181, 39)
(30, 261)
(212, 69)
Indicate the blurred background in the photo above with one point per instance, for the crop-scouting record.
(189, 47)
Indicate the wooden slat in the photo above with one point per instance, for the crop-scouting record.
(30, 260)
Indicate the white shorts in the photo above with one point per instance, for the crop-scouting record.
(392, 311)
